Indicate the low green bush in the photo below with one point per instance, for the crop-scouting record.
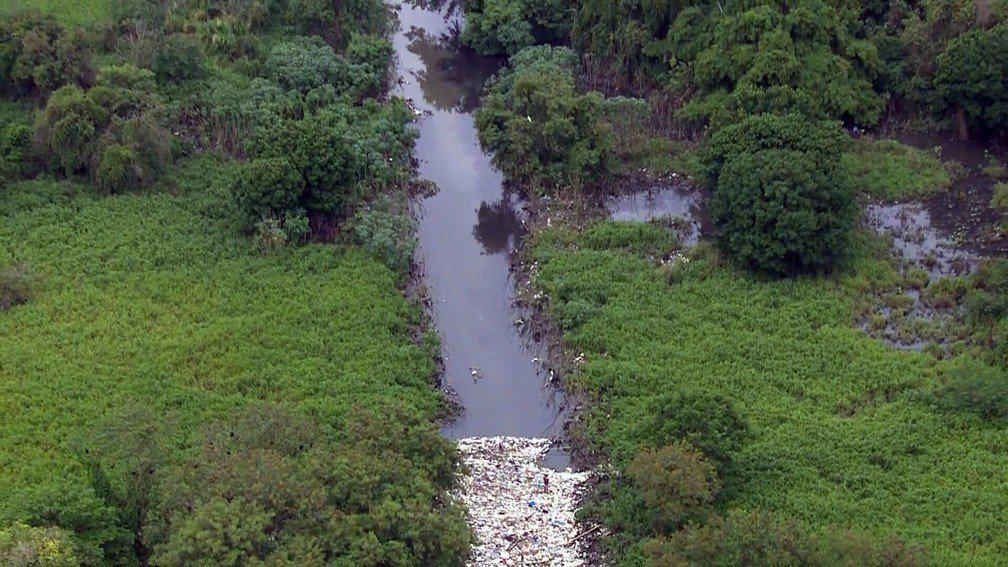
(118, 169)
(678, 482)
(706, 421)
(781, 199)
(178, 58)
(781, 212)
(29, 546)
(15, 146)
(974, 387)
(18, 285)
(893, 171)
(496, 27)
(113, 134)
(543, 133)
(388, 235)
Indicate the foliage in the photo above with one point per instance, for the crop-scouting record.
(780, 212)
(269, 485)
(388, 235)
(999, 196)
(93, 523)
(179, 58)
(760, 539)
(823, 141)
(542, 132)
(781, 200)
(267, 187)
(15, 144)
(677, 481)
(505, 27)
(335, 157)
(38, 55)
(708, 422)
(22, 545)
(118, 169)
(18, 284)
(734, 57)
(144, 295)
(308, 63)
(68, 12)
(893, 171)
(974, 387)
(837, 429)
(972, 75)
(111, 133)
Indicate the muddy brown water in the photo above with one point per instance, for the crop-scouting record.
(468, 232)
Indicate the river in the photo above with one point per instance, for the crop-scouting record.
(468, 232)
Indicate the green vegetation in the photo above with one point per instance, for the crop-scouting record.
(495, 27)
(889, 170)
(161, 303)
(840, 426)
(543, 133)
(189, 374)
(781, 198)
(70, 12)
(972, 78)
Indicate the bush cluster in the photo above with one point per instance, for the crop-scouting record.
(18, 284)
(542, 131)
(781, 198)
(324, 163)
(505, 27)
(309, 63)
(38, 55)
(972, 78)
(115, 135)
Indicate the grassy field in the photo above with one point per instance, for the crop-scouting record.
(892, 171)
(82, 12)
(839, 434)
(156, 300)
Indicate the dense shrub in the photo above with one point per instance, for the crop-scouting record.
(780, 212)
(38, 55)
(388, 235)
(733, 57)
(972, 77)
(118, 169)
(760, 540)
(15, 143)
(272, 485)
(542, 132)
(267, 187)
(781, 201)
(974, 387)
(708, 422)
(18, 284)
(113, 134)
(678, 482)
(22, 545)
(178, 58)
(308, 63)
(824, 141)
(94, 524)
(304, 64)
(495, 27)
(369, 56)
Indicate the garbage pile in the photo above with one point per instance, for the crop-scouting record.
(522, 514)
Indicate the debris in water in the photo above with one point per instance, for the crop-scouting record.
(476, 375)
(522, 514)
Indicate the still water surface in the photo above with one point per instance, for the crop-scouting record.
(467, 233)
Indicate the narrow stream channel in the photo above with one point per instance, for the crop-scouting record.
(467, 233)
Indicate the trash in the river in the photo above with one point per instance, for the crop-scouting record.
(522, 514)
(476, 375)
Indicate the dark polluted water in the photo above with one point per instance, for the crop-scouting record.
(468, 232)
